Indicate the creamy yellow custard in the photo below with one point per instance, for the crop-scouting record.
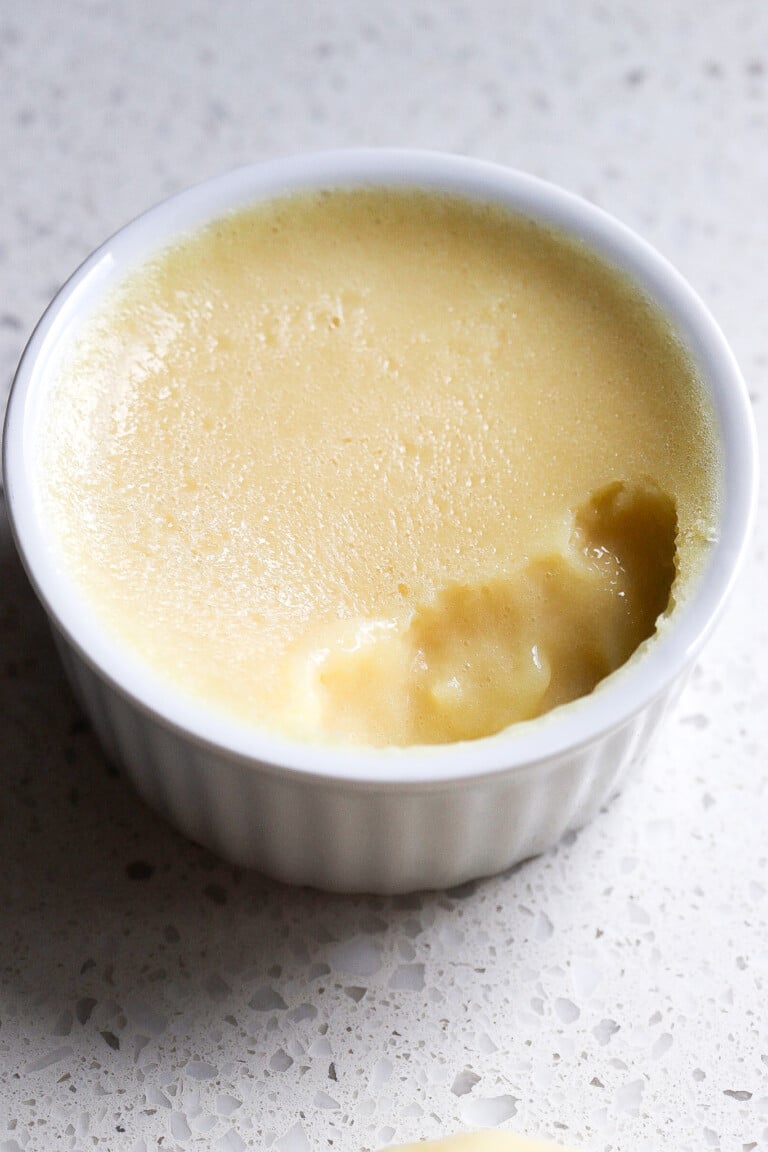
(379, 467)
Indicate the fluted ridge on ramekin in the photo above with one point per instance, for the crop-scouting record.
(335, 835)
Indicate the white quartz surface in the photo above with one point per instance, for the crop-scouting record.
(612, 994)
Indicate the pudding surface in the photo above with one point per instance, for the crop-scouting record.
(379, 467)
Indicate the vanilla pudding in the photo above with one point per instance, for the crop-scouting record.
(379, 468)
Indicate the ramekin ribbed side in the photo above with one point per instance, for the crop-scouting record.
(346, 835)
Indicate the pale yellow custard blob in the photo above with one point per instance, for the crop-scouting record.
(379, 468)
(490, 1140)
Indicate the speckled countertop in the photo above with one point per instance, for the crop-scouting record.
(612, 994)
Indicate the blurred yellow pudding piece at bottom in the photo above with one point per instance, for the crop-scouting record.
(488, 1141)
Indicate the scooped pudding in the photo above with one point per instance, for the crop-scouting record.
(379, 467)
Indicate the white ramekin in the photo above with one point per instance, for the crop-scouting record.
(376, 820)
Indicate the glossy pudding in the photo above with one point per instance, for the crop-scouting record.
(379, 467)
